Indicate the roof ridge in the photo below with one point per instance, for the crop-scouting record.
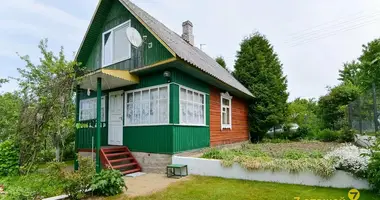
(189, 53)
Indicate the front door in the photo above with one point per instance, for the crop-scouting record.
(115, 118)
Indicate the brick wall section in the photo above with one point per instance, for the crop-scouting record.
(239, 116)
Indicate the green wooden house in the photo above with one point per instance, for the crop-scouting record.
(138, 105)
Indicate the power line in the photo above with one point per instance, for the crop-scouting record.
(346, 23)
(300, 42)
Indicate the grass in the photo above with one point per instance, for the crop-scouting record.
(290, 156)
(210, 188)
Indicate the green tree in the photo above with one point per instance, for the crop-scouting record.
(332, 106)
(259, 69)
(2, 81)
(47, 109)
(349, 73)
(301, 110)
(10, 104)
(221, 61)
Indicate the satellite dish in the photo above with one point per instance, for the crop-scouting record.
(134, 37)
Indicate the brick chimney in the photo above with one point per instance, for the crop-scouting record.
(187, 32)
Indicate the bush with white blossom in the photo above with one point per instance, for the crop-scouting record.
(350, 158)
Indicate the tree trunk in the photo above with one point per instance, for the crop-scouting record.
(58, 152)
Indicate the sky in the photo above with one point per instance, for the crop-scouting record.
(312, 38)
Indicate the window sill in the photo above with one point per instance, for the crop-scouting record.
(139, 125)
(226, 127)
(197, 125)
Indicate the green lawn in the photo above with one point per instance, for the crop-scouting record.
(209, 188)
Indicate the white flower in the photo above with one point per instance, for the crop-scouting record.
(350, 158)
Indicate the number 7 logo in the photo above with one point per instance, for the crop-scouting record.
(353, 194)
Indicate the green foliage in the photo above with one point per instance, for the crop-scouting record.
(332, 106)
(259, 69)
(373, 171)
(10, 105)
(327, 135)
(346, 135)
(9, 164)
(108, 183)
(32, 186)
(47, 109)
(221, 62)
(75, 183)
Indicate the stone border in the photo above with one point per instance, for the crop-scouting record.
(210, 167)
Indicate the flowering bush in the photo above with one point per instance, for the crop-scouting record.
(350, 158)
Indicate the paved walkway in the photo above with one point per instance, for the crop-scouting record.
(148, 184)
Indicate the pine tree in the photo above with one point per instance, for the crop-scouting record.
(259, 69)
(221, 62)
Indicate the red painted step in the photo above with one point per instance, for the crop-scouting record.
(124, 165)
(131, 171)
(121, 160)
(109, 158)
(116, 154)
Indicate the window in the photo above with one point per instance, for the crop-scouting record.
(147, 106)
(192, 107)
(87, 109)
(225, 106)
(116, 46)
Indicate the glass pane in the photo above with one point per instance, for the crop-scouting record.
(163, 114)
(121, 45)
(226, 102)
(153, 112)
(196, 113)
(189, 95)
(196, 97)
(202, 115)
(224, 117)
(228, 115)
(137, 97)
(183, 94)
(183, 111)
(129, 97)
(201, 97)
(190, 113)
(107, 59)
(153, 94)
(164, 93)
(145, 95)
(145, 113)
(136, 113)
(129, 113)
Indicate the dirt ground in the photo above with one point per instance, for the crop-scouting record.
(148, 184)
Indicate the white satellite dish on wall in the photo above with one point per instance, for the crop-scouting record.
(134, 37)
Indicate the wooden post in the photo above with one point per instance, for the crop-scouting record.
(77, 102)
(98, 122)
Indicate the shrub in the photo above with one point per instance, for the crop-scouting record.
(108, 183)
(213, 153)
(328, 135)
(9, 158)
(75, 183)
(347, 135)
(294, 155)
(373, 172)
(350, 158)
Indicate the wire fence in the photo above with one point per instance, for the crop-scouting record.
(363, 113)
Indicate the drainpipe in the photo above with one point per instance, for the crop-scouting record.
(98, 119)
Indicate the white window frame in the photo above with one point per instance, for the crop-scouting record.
(103, 106)
(112, 38)
(228, 97)
(180, 107)
(140, 90)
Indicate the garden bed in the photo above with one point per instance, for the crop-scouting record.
(305, 162)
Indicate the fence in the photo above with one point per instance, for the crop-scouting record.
(363, 113)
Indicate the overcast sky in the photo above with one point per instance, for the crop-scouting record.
(312, 38)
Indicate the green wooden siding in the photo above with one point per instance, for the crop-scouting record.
(190, 137)
(84, 137)
(115, 14)
(189, 81)
(152, 139)
(174, 104)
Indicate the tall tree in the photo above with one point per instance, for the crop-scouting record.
(221, 61)
(349, 73)
(259, 69)
(47, 103)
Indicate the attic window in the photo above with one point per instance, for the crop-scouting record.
(116, 46)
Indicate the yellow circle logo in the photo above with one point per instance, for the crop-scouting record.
(353, 194)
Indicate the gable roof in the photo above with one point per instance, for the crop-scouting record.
(184, 50)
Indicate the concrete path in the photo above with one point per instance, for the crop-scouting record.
(148, 184)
